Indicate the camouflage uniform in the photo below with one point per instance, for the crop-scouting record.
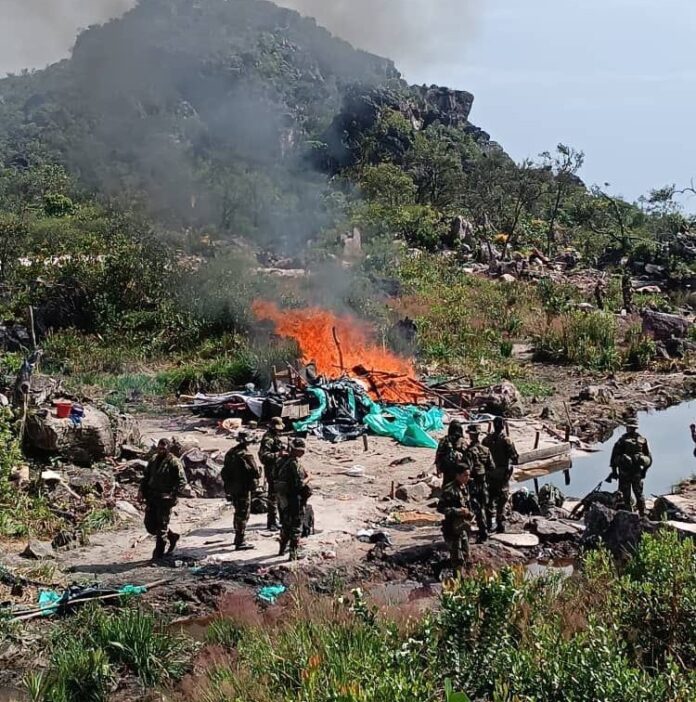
(478, 460)
(270, 453)
(163, 481)
(453, 500)
(240, 475)
(292, 489)
(630, 461)
(449, 457)
(504, 454)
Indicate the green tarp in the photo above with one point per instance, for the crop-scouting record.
(409, 425)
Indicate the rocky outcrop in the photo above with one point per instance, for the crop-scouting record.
(663, 327)
(97, 437)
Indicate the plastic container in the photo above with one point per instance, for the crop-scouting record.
(63, 409)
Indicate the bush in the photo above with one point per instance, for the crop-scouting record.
(586, 340)
(604, 635)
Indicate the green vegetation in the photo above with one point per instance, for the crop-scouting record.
(602, 635)
(90, 651)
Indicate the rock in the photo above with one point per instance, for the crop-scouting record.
(131, 472)
(662, 326)
(50, 476)
(507, 278)
(619, 531)
(91, 442)
(550, 531)
(547, 413)
(127, 510)
(14, 338)
(66, 541)
(517, 540)
(650, 290)
(20, 474)
(600, 394)
(39, 551)
(652, 269)
(130, 452)
(503, 399)
(413, 493)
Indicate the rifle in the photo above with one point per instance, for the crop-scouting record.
(585, 500)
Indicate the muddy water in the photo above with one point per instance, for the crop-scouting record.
(671, 445)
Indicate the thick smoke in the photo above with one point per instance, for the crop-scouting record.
(408, 31)
(34, 33)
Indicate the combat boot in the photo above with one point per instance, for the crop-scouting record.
(173, 539)
(160, 545)
(283, 546)
(271, 523)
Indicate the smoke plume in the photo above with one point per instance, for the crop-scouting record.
(408, 31)
(34, 33)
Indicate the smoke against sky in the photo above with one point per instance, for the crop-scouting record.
(411, 32)
(34, 33)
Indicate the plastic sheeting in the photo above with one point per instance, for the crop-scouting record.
(316, 415)
(409, 425)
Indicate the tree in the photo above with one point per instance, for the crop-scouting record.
(564, 165)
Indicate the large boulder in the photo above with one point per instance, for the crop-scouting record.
(204, 475)
(98, 436)
(663, 327)
(504, 400)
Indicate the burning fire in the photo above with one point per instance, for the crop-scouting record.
(337, 344)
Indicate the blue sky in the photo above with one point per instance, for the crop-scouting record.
(614, 78)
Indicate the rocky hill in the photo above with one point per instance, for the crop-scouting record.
(209, 111)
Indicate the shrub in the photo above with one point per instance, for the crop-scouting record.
(587, 340)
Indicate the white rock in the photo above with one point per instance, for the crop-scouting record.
(517, 540)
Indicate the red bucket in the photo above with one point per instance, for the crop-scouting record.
(63, 409)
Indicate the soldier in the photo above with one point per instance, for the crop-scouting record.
(163, 481)
(292, 488)
(477, 459)
(271, 451)
(450, 453)
(627, 290)
(240, 475)
(454, 505)
(630, 461)
(504, 455)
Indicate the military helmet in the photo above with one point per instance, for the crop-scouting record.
(455, 427)
(499, 423)
(298, 444)
(277, 423)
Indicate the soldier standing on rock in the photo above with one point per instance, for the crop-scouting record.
(271, 451)
(450, 453)
(504, 455)
(477, 459)
(630, 461)
(240, 475)
(163, 481)
(454, 505)
(292, 488)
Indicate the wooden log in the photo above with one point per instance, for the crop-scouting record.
(541, 454)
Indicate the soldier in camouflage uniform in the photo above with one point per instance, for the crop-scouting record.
(450, 453)
(630, 461)
(504, 455)
(163, 481)
(292, 487)
(240, 475)
(454, 505)
(271, 451)
(477, 459)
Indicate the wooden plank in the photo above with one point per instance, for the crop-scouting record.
(542, 454)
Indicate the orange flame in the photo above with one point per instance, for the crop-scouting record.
(390, 377)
